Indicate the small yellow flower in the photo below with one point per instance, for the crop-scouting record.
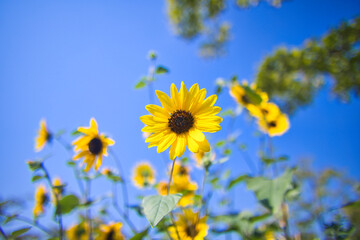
(91, 145)
(275, 126)
(189, 226)
(107, 171)
(181, 120)
(238, 92)
(269, 235)
(111, 231)
(181, 184)
(58, 186)
(143, 175)
(43, 136)
(41, 199)
(198, 157)
(267, 110)
(78, 232)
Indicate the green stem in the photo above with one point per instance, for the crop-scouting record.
(123, 182)
(3, 233)
(121, 213)
(88, 209)
(59, 215)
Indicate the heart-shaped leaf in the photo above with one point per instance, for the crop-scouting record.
(157, 206)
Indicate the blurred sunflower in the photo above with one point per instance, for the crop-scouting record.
(91, 145)
(44, 136)
(189, 226)
(41, 199)
(181, 120)
(58, 186)
(274, 126)
(143, 175)
(112, 231)
(241, 93)
(267, 110)
(181, 184)
(78, 232)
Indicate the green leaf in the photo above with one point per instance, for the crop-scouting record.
(228, 112)
(140, 84)
(161, 70)
(140, 235)
(36, 178)
(220, 143)
(59, 133)
(71, 163)
(67, 204)
(252, 95)
(34, 165)
(271, 192)
(20, 232)
(237, 180)
(76, 133)
(157, 206)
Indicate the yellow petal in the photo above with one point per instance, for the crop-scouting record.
(98, 162)
(192, 144)
(157, 111)
(209, 102)
(196, 134)
(165, 101)
(166, 142)
(183, 95)
(204, 146)
(175, 96)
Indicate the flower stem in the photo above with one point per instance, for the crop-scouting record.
(59, 215)
(88, 209)
(3, 233)
(168, 190)
(118, 209)
(123, 182)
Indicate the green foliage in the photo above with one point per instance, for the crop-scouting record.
(292, 76)
(157, 206)
(271, 192)
(141, 235)
(236, 181)
(161, 70)
(67, 204)
(19, 232)
(36, 178)
(34, 165)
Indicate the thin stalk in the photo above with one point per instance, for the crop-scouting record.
(202, 190)
(168, 190)
(123, 182)
(88, 209)
(67, 147)
(32, 223)
(121, 213)
(3, 233)
(59, 215)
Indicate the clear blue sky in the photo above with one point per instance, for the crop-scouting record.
(67, 61)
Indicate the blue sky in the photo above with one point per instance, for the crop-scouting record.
(67, 61)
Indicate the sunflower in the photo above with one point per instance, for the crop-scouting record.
(43, 136)
(181, 120)
(112, 231)
(58, 186)
(78, 232)
(189, 226)
(41, 199)
(276, 125)
(241, 93)
(143, 175)
(91, 145)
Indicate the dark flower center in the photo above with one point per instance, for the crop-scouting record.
(183, 170)
(48, 136)
(272, 124)
(181, 121)
(95, 146)
(191, 231)
(110, 235)
(245, 99)
(264, 111)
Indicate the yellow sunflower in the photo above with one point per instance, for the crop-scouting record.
(241, 95)
(267, 110)
(43, 136)
(91, 145)
(181, 120)
(189, 226)
(143, 175)
(111, 231)
(78, 232)
(58, 189)
(276, 125)
(41, 199)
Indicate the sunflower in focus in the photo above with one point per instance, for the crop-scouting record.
(189, 226)
(44, 136)
(41, 199)
(78, 232)
(112, 231)
(91, 146)
(181, 120)
(143, 175)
